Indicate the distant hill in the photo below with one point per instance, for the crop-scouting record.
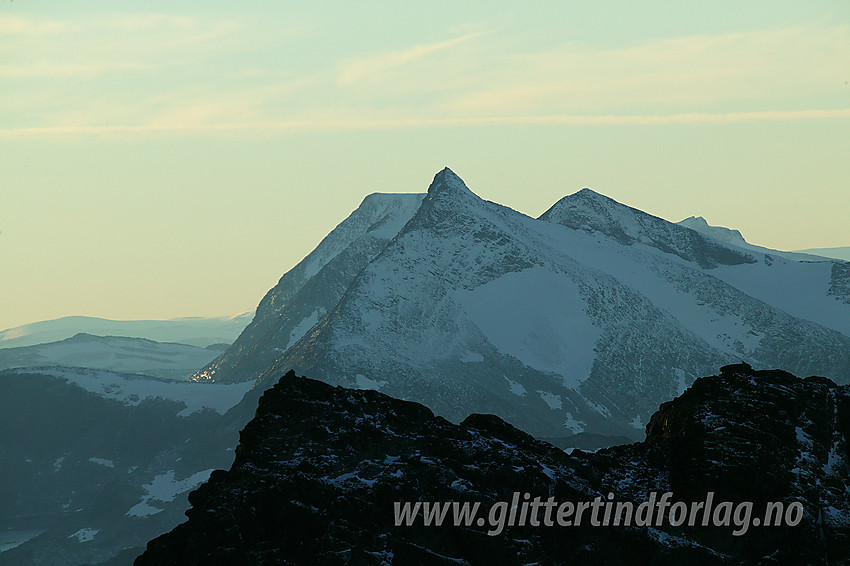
(116, 353)
(837, 253)
(734, 238)
(195, 331)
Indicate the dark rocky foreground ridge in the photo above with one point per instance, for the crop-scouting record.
(319, 467)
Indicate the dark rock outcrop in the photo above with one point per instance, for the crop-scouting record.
(319, 468)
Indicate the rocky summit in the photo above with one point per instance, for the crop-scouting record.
(320, 468)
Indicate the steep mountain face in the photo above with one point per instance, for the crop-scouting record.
(839, 282)
(798, 284)
(581, 321)
(115, 353)
(319, 469)
(598, 214)
(194, 331)
(313, 287)
(96, 463)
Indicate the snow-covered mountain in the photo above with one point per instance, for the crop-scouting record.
(116, 353)
(726, 235)
(583, 320)
(313, 287)
(195, 331)
(735, 238)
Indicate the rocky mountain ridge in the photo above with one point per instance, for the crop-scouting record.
(581, 321)
(319, 468)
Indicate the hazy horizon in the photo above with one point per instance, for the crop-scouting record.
(177, 161)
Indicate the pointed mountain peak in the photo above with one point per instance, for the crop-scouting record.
(583, 203)
(446, 181)
(449, 205)
(588, 193)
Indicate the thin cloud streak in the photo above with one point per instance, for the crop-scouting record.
(353, 125)
(117, 22)
(690, 70)
(22, 26)
(370, 66)
(40, 48)
(170, 65)
(42, 70)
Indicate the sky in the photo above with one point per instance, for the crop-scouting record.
(168, 159)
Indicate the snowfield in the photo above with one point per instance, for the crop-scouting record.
(133, 389)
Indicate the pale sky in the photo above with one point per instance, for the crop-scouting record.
(162, 159)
